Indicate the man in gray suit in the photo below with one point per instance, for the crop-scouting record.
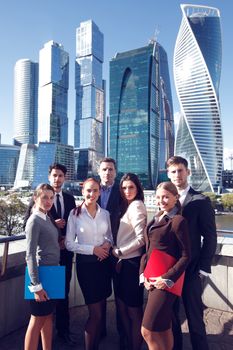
(197, 209)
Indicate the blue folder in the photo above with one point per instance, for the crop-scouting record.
(52, 279)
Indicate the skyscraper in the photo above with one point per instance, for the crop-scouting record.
(167, 134)
(26, 166)
(53, 93)
(135, 112)
(197, 68)
(25, 102)
(49, 153)
(9, 156)
(90, 98)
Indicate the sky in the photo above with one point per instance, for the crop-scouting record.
(126, 24)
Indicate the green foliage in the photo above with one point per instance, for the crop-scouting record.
(213, 198)
(12, 210)
(227, 201)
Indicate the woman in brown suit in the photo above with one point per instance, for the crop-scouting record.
(167, 250)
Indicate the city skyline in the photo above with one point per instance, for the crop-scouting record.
(29, 26)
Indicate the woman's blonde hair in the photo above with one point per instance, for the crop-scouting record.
(42, 187)
(170, 187)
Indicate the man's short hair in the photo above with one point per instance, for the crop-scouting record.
(108, 160)
(58, 167)
(175, 160)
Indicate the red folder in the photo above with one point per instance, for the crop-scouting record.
(158, 264)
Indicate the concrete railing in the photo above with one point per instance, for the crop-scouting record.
(218, 289)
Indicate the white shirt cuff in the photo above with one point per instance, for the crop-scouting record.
(203, 273)
(141, 279)
(35, 288)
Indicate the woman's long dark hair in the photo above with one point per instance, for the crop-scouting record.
(139, 196)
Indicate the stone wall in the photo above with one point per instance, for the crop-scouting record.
(218, 289)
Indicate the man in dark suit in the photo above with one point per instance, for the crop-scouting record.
(110, 200)
(197, 209)
(63, 204)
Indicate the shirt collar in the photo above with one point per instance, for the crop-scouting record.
(60, 193)
(106, 188)
(184, 191)
(84, 209)
(39, 213)
(162, 216)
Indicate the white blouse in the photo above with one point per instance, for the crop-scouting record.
(130, 236)
(85, 232)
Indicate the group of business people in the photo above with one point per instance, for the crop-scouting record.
(110, 235)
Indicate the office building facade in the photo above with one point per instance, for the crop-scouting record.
(135, 113)
(25, 102)
(197, 69)
(53, 93)
(55, 153)
(9, 156)
(167, 132)
(90, 99)
(26, 166)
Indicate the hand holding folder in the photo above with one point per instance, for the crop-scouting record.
(52, 279)
(158, 264)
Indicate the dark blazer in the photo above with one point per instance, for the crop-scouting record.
(169, 235)
(200, 215)
(69, 204)
(113, 207)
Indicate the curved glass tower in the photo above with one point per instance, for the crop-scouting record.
(25, 101)
(197, 68)
(135, 114)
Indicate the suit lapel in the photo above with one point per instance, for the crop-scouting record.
(110, 197)
(188, 199)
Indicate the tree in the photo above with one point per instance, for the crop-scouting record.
(12, 210)
(213, 198)
(227, 200)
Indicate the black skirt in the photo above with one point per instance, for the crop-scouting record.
(94, 278)
(43, 308)
(126, 282)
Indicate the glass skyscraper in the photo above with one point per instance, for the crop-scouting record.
(135, 113)
(26, 166)
(90, 99)
(167, 134)
(53, 94)
(25, 102)
(49, 153)
(197, 68)
(9, 156)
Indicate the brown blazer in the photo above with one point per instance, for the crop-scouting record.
(169, 235)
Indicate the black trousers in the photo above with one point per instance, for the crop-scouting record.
(62, 309)
(193, 306)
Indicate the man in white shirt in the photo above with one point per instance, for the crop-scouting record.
(197, 209)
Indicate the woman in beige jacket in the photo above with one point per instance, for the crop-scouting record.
(128, 250)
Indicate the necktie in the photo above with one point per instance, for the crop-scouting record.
(58, 206)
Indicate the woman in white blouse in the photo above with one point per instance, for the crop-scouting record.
(89, 235)
(129, 249)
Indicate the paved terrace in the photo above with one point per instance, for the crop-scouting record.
(219, 327)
